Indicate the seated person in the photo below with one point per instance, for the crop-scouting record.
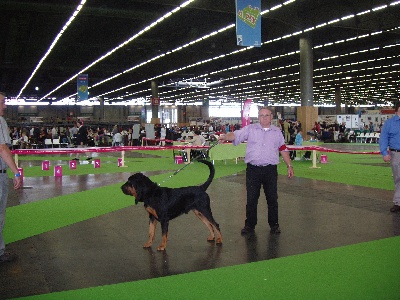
(24, 141)
(198, 140)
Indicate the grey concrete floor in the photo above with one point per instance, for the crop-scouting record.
(314, 215)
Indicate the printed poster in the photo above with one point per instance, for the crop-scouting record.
(248, 23)
(82, 87)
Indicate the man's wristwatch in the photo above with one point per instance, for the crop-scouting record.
(289, 166)
(17, 175)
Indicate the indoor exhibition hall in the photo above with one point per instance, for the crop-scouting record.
(127, 113)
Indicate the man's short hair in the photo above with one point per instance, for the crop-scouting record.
(266, 107)
(396, 106)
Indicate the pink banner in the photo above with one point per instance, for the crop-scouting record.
(246, 113)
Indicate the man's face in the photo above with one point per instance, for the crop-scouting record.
(265, 117)
(2, 105)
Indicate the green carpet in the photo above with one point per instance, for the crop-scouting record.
(362, 271)
(50, 214)
(38, 217)
(354, 169)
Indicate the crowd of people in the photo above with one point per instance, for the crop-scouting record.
(115, 135)
(103, 136)
(36, 136)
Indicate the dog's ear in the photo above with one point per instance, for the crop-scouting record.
(142, 185)
(135, 181)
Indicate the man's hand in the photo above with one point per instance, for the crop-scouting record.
(230, 136)
(221, 139)
(290, 172)
(17, 182)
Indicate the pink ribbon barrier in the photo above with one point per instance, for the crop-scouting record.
(100, 149)
(323, 149)
(122, 149)
(177, 147)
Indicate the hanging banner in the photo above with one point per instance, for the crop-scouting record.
(246, 113)
(248, 23)
(82, 86)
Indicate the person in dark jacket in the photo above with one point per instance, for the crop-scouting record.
(81, 140)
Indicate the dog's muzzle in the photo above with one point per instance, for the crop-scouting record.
(126, 188)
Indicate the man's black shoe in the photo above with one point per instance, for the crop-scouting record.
(75, 158)
(275, 229)
(89, 158)
(395, 208)
(7, 257)
(247, 230)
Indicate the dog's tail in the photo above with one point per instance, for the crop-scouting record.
(206, 184)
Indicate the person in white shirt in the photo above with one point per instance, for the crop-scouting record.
(117, 139)
(198, 139)
(163, 134)
(24, 141)
(54, 133)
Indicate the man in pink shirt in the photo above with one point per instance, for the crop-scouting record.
(264, 143)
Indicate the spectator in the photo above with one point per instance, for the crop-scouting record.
(389, 145)
(6, 161)
(82, 139)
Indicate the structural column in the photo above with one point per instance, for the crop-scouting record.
(181, 109)
(338, 100)
(306, 72)
(154, 104)
(102, 115)
(307, 114)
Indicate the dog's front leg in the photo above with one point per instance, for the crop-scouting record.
(164, 228)
(152, 231)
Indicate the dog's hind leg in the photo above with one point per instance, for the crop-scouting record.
(211, 227)
(152, 230)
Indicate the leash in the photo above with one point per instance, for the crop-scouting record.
(191, 162)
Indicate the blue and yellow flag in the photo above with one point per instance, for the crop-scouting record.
(82, 86)
(248, 23)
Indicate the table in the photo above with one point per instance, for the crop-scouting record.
(186, 147)
(227, 151)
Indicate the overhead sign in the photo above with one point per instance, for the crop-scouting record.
(248, 23)
(155, 101)
(82, 86)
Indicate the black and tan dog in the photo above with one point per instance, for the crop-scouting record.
(164, 204)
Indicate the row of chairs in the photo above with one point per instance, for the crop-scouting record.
(369, 137)
(51, 143)
(32, 144)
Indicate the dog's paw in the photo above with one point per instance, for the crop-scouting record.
(161, 248)
(211, 239)
(147, 245)
(219, 241)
